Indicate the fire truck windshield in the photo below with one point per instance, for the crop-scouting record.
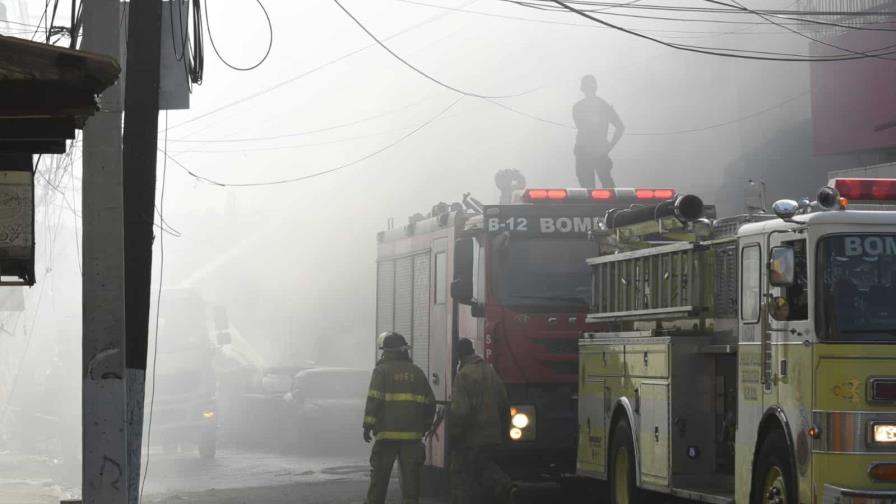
(857, 282)
(543, 273)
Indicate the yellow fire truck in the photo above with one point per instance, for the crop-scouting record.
(746, 359)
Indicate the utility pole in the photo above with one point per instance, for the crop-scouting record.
(104, 391)
(141, 126)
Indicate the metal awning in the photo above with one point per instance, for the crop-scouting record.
(46, 92)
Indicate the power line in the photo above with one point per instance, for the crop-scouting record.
(769, 18)
(559, 23)
(291, 146)
(800, 21)
(662, 133)
(208, 25)
(322, 172)
(155, 351)
(724, 52)
(305, 132)
(412, 67)
(306, 73)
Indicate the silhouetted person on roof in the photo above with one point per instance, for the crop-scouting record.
(593, 117)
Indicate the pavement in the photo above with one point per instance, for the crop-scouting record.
(232, 477)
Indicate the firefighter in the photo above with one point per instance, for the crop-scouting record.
(479, 422)
(593, 117)
(399, 411)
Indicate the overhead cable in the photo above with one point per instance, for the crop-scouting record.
(723, 52)
(322, 172)
(311, 71)
(305, 132)
(660, 133)
(208, 25)
(414, 68)
(770, 19)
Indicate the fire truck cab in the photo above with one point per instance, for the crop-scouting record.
(751, 361)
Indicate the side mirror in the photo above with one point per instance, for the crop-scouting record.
(224, 338)
(462, 285)
(477, 310)
(780, 267)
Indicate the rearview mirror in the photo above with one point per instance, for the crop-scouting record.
(462, 285)
(781, 269)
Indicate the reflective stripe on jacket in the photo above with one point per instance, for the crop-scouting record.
(400, 402)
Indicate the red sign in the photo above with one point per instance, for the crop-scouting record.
(854, 102)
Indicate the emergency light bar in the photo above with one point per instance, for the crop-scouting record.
(871, 189)
(580, 195)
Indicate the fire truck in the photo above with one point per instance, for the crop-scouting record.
(513, 279)
(745, 359)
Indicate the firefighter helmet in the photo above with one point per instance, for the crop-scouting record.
(392, 341)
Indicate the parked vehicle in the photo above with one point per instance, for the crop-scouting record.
(326, 405)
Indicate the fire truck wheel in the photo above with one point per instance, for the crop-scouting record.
(623, 489)
(773, 482)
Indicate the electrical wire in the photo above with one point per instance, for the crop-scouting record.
(770, 19)
(291, 146)
(311, 71)
(723, 52)
(322, 172)
(800, 21)
(662, 133)
(208, 25)
(155, 351)
(305, 132)
(412, 67)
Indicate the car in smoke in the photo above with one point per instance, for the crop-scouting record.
(325, 404)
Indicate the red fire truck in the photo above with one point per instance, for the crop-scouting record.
(513, 279)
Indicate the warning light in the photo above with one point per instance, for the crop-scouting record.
(556, 194)
(602, 194)
(814, 432)
(533, 195)
(644, 193)
(872, 189)
(657, 194)
(883, 472)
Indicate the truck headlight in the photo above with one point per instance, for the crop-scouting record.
(208, 414)
(522, 423)
(884, 433)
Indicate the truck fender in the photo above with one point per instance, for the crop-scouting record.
(623, 409)
(774, 415)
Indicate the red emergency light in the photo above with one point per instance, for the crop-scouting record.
(657, 194)
(545, 195)
(581, 195)
(602, 194)
(872, 189)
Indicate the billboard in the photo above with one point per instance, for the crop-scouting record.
(854, 102)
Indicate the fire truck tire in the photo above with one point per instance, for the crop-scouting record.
(773, 482)
(623, 486)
